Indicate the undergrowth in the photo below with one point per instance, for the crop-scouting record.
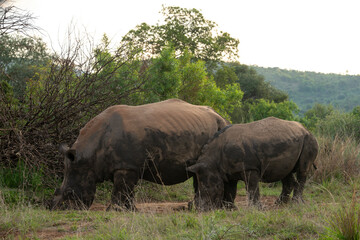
(331, 210)
(345, 222)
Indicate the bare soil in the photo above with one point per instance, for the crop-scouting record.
(268, 202)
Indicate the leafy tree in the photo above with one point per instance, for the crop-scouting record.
(19, 58)
(225, 75)
(193, 75)
(263, 108)
(356, 111)
(339, 124)
(255, 86)
(184, 29)
(200, 88)
(188, 80)
(223, 101)
(316, 113)
(165, 77)
(251, 83)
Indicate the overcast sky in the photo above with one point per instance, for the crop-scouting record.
(307, 35)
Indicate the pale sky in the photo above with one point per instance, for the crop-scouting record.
(306, 35)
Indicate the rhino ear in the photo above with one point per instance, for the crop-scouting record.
(67, 152)
(196, 168)
(63, 148)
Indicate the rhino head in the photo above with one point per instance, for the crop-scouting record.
(78, 188)
(210, 187)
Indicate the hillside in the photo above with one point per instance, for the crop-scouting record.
(307, 88)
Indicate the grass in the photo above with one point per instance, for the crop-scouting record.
(345, 223)
(305, 221)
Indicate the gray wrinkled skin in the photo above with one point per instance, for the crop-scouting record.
(123, 144)
(268, 150)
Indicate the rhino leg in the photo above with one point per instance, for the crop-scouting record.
(307, 158)
(122, 197)
(287, 186)
(230, 194)
(196, 190)
(299, 187)
(252, 188)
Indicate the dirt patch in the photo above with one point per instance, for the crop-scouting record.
(268, 202)
(57, 231)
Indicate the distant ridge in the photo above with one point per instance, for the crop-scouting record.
(308, 88)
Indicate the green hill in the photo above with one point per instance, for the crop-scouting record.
(307, 88)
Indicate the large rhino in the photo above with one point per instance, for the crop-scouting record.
(155, 142)
(268, 150)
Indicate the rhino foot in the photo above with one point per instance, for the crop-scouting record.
(230, 206)
(257, 205)
(282, 200)
(299, 200)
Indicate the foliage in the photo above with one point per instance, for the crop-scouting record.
(315, 114)
(223, 101)
(254, 85)
(193, 75)
(21, 184)
(225, 75)
(59, 98)
(184, 29)
(172, 77)
(20, 177)
(263, 108)
(165, 78)
(345, 224)
(340, 124)
(356, 112)
(19, 58)
(308, 88)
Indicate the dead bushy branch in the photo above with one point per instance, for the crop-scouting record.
(78, 83)
(13, 19)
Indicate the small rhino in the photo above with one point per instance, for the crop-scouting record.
(268, 150)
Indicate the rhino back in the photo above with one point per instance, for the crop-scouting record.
(158, 139)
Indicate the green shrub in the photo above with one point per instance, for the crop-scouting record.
(340, 125)
(262, 108)
(23, 185)
(21, 177)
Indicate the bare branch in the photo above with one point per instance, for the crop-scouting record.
(13, 19)
(79, 81)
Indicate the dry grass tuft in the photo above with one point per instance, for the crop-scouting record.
(337, 158)
(345, 224)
